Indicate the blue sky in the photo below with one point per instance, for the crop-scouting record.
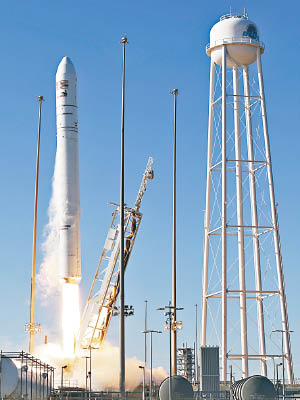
(166, 50)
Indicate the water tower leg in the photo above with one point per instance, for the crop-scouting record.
(240, 221)
(254, 218)
(285, 324)
(207, 207)
(224, 219)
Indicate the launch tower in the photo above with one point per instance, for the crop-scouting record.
(243, 291)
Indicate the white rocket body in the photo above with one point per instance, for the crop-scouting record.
(67, 172)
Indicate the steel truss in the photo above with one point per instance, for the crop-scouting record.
(241, 209)
(101, 302)
(36, 377)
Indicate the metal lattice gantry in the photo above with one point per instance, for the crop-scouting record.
(102, 298)
(243, 291)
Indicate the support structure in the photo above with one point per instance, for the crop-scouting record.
(32, 327)
(240, 220)
(254, 221)
(145, 337)
(122, 263)
(283, 303)
(105, 288)
(243, 280)
(224, 218)
(170, 325)
(196, 347)
(174, 295)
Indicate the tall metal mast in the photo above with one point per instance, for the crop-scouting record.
(122, 266)
(196, 346)
(174, 295)
(33, 327)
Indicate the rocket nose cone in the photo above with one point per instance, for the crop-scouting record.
(66, 67)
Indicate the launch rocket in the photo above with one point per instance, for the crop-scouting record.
(67, 172)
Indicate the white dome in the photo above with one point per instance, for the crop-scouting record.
(241, 37)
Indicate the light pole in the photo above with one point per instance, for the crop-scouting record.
(171, 324)
(143, 368)
(122, 263)
(90, 371)
(62, 377)
(277, 376)
(145, 328)
(33, 327)
(86, 373)
(283, 357)
(145, 332)
(174, 92)
(196, 345)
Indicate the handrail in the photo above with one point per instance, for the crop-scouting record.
(246, 40)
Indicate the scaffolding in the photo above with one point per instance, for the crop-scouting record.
(34, 379)
(102, 298)
(186, 363)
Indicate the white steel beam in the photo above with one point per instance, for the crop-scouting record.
(240, 221)
(284, 315)
(224, 219)
(257, 267)
(207, 208)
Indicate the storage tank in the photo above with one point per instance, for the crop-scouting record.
(25, 377)
(241, 37)
(181, 388)
(254, 387)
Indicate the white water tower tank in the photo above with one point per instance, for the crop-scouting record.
(241, 38)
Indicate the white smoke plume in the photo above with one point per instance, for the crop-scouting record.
(105, 362)
(48, 283)
(105, 368)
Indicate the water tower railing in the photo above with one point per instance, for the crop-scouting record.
(243, 40)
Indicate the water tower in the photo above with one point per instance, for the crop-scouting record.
(243, 292)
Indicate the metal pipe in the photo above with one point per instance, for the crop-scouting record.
(196, 346)
(145, 326)
(122, 263)
(207, 207)
(26, 378)
(277, 377)
(150, 365)
(90, 374)
(282, 351)
(62, 377)
(174, 297)
(284, 315)
(31, 372)
(1, 373)
(32, 294)
(143, 368)
(86, 375)
(257, 265)
(240, 221)
(151, 358)
(170, 344)
(224, 220)
(36, 380)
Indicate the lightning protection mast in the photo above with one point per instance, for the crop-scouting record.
(243, 291)
(32, 327)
